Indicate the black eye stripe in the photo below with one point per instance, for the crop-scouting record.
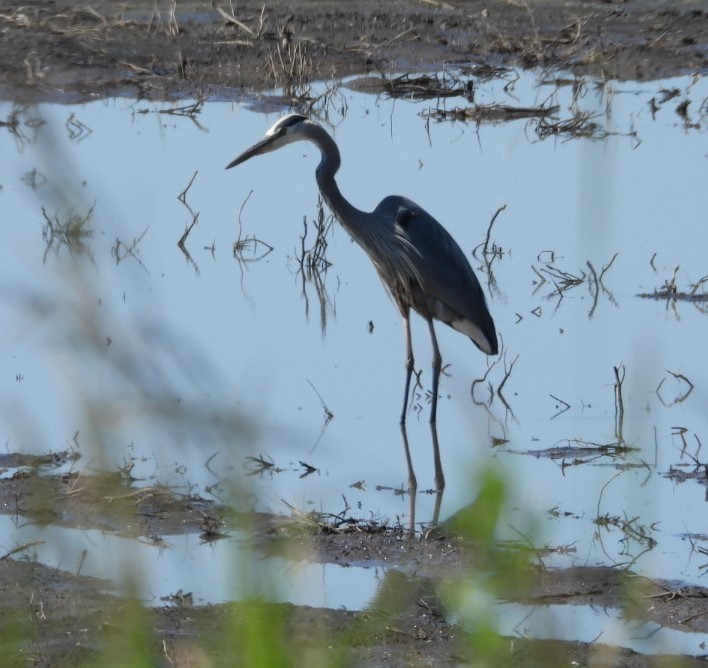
(292, 120)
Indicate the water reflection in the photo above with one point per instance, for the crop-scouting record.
(237, 336)
(313, 263)
(413, 521)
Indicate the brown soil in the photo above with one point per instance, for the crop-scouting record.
(62, 619)
(62, 51)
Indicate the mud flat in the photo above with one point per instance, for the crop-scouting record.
(55, 50)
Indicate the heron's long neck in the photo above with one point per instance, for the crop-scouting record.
(341, 208)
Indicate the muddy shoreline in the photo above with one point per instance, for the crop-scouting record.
(61, 51)
(73, 618)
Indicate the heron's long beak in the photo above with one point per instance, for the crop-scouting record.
(263, 146)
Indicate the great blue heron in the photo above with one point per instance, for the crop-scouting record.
(418, 261)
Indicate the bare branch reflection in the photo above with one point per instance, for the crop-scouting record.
(22, 126)
(313, 263)
(247, 249)
(182, 197)
(120, 251)
(564, 280)
(413, 481)
(71, 231)
(671, 292)
(490, 251)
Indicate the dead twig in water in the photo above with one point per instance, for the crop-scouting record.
(564, 280)
(71, 232)
(182, 197)
(682, 396)
(313, 263)
(606, 267)
(259, 464)
(483, 379)
(506, 377)
(328, 413)
(501, 359)
(632, 530)
(121, 250)
(580, 125)
(308, 469)
(77, 130)
(495, 113)
(21, 548)
(670, 291)
(577, 452)
(489, 229)
(250, 242)
(423, 87)
(190, 111)
(619, 402)
(566, 406)
(490, 254)
(596, 285)
(313, 260)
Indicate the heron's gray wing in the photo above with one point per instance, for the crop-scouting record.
(449, 286)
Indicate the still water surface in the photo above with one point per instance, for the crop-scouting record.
(185, 367)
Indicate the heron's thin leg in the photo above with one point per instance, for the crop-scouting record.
(437, 365)
(439, 476)
(412, 482)
(409, 360)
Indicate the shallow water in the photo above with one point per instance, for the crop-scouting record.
(183, 368)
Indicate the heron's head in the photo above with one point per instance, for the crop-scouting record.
(286, 130)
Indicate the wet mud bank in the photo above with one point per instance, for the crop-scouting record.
(59, 50)
(65, 618)
(69, 620)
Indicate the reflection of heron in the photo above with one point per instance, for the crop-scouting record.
(417, 260)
